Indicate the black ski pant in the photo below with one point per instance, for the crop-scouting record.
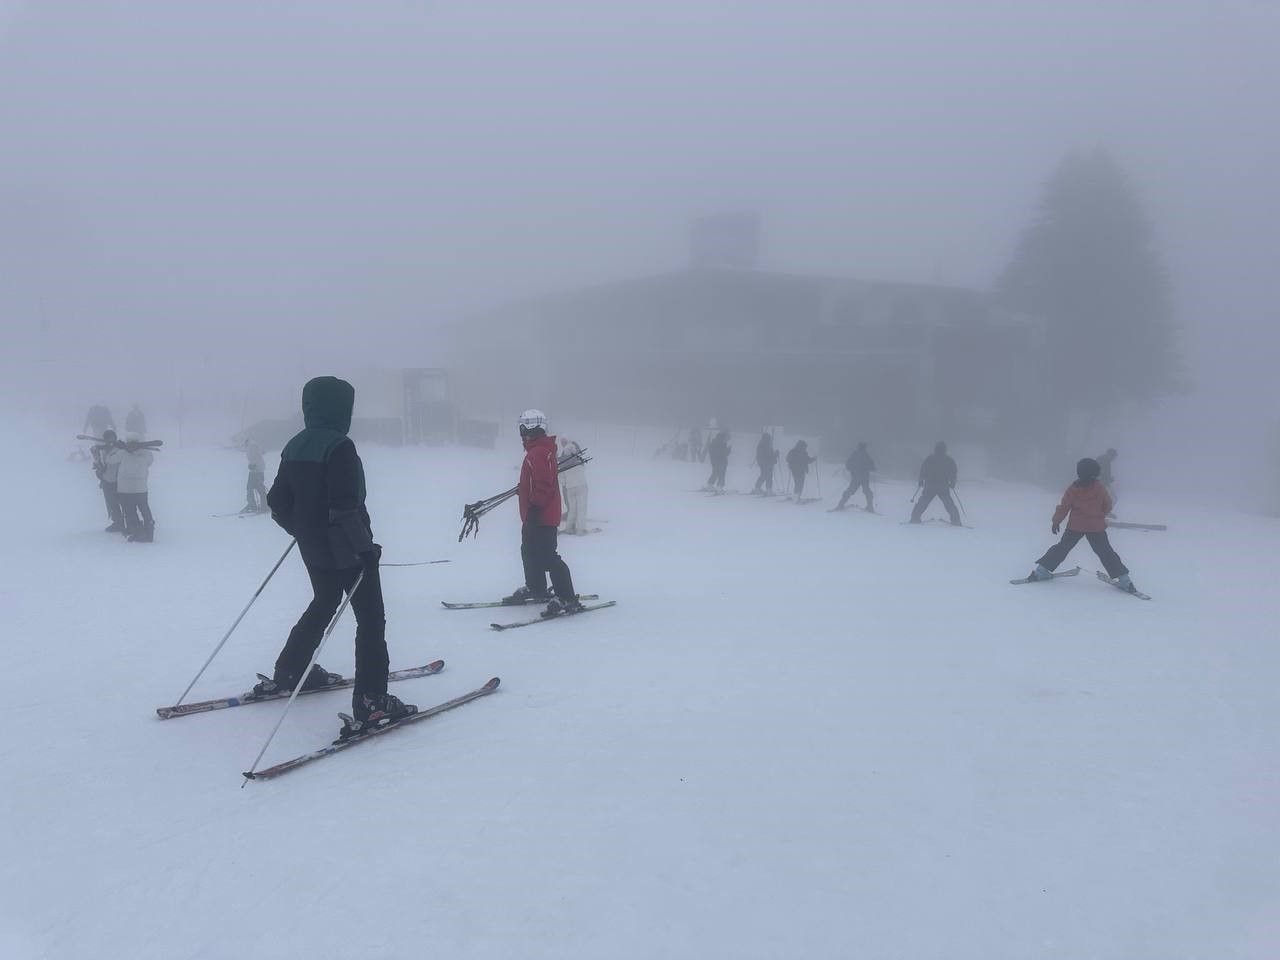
(926, 498)
(538, 553)
(856, 483)
(765, 480)
(256, 485)
(328, 587)
(137, 512)
(797, 481)
(114, 513)
(1101, 546)
(718, 467)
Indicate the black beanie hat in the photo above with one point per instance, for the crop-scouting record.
(1088, 469)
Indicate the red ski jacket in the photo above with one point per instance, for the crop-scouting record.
(539, 482)
(1088, 506)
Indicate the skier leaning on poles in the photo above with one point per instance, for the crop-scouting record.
(937, 479)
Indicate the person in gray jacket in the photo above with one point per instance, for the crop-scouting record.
(133, 464)
(106, 469)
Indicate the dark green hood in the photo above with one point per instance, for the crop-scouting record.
(327, 403)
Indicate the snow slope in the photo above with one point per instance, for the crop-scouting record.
(799, 734)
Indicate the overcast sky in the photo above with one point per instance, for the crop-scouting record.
(272, 172)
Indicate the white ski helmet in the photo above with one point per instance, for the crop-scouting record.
(533, 419)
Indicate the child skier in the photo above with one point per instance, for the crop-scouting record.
(133, 463)
(1085, 506)
(540, 509)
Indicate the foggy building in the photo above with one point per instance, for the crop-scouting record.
(893, 363)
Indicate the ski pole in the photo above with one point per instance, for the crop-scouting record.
(306, 673)
(226, 636)
(960, 503)
(419, 563)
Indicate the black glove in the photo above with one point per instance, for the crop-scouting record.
(533, 515)
(369, 559)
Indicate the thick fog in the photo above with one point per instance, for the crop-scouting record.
(214, 201)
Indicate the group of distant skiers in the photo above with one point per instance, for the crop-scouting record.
(122, 468)
(1085, 507)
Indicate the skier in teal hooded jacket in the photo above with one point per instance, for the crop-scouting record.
(318, 498)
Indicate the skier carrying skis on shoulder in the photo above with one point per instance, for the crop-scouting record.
(937, 479)
(318, 498)
(107, 469)
(1084, 506)
(540, 509)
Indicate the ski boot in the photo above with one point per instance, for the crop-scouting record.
(1125, 584)
(559, 608)
(116, 527)
(522, 595)
(317, 679)
(1040, 573)
(373, 712)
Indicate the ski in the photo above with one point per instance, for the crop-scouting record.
(240, 513)
(1056, 575)
(503, 603)
(340, 745)
(1122, 525)
(204, 706)
(545, 619)
(1133, 593)
(934, 520)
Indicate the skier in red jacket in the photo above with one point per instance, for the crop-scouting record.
(539, 495)
(1084, 506)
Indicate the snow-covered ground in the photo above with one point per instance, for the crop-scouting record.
(799, 734)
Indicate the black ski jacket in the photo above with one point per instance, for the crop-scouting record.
(938, 470)
(798, 459)
(860, 464)
(318, 495)
(766, 455)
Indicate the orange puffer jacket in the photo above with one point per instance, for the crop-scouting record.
(1088, 506)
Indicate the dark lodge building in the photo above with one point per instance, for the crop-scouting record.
(898, 365)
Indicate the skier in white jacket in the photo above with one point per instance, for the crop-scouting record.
(573, 484)
(133, 465)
